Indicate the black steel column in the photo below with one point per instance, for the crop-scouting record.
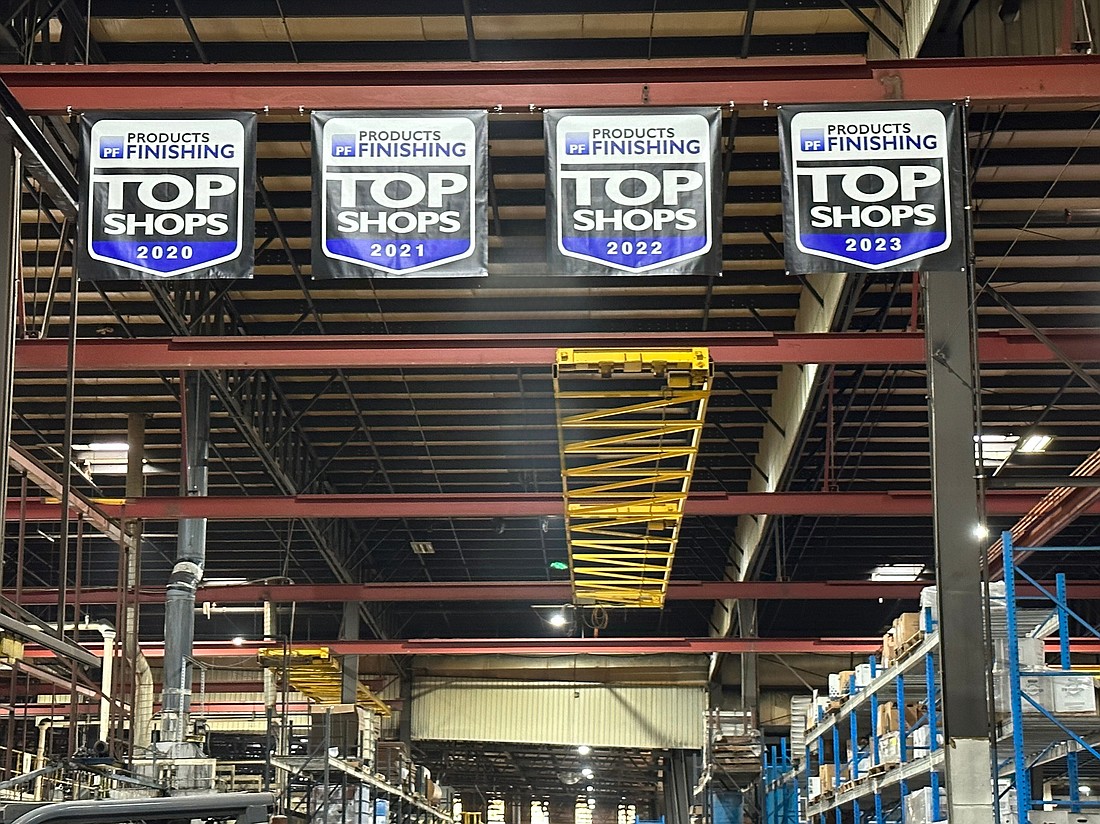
(9, 197)
(952, 394)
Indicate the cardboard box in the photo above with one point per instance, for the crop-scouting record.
(863, 675)
(847, 677)
(888, 717)
(889, 748)
(918, 806)
(906, 626)
(889, 647)
(827, 774)
(1074, 693)
(1039, 689)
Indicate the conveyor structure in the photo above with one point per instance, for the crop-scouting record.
(629, 428)
(315, 672)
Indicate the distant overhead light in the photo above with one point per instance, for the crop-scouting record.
(558, 620)
(981, 531)
(422, 547)
(238, 641)
(1085, 789)
(994, 450)
(589, 788)
(897, 572)
(587, 773)
(584, 749)
(1034, 444)
(559, 565)
(102, 446)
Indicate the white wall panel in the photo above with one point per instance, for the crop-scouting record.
(600, 715)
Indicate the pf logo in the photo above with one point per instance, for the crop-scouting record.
(870, 188)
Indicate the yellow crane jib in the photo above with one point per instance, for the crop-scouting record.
(316, 673)
(629, 427)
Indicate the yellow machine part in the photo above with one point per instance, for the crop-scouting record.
(316, 673)
(629, 427)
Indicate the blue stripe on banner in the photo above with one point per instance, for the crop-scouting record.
(635, 252)
(164, 256)
(399, 255)
(865, 248)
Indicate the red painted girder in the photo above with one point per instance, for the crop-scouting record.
(523, 591)
(440, 351)
(520, 504)
(748, 83)
(562, 646)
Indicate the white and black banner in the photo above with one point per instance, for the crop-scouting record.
(633, 191)
(400, 194)
(873, 188)
(167, 196)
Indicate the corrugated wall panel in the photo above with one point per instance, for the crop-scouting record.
(1038, 31)
(918, 17)
(600, 715)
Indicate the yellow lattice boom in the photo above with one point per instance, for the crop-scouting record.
(316, 673)
(629, 427)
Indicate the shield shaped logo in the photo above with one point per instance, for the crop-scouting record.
(397, 194)
(871, 188)
(633, 192)
(165, 197)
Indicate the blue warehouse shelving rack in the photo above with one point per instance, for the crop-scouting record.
(1039, 735)
(878, 782)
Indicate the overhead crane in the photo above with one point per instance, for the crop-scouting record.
(629, 427)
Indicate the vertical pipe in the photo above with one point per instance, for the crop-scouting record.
(130, 572)
(67, 455)
(179, 611)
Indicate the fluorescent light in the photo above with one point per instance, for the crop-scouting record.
(897, 572)
(102, 446)
(584, 749)
(558, 620)
(1034, 444)
(994, 450)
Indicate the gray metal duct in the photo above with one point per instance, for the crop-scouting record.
(251, 808)
(179, 611)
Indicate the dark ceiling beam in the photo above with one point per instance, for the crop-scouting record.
(519, 85)
(550, 592)
(902, 504)
(411, 351)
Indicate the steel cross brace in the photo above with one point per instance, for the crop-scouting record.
(263, 416)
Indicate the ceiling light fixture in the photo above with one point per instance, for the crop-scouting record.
(238, 641)
(1035, 444)
(981, 531)
(558, 620)
(587, 773)
(994, 450)
(584, 749)
(897, 572)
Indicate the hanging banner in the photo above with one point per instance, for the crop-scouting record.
(876, 188)
(634, 191)
(167, 196)
(400, 194)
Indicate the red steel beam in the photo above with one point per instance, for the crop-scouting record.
(551, 592)
(748, 83)
(521, 504)
(562, 646)
(444, 351)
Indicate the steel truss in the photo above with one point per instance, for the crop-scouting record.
(628, 450)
